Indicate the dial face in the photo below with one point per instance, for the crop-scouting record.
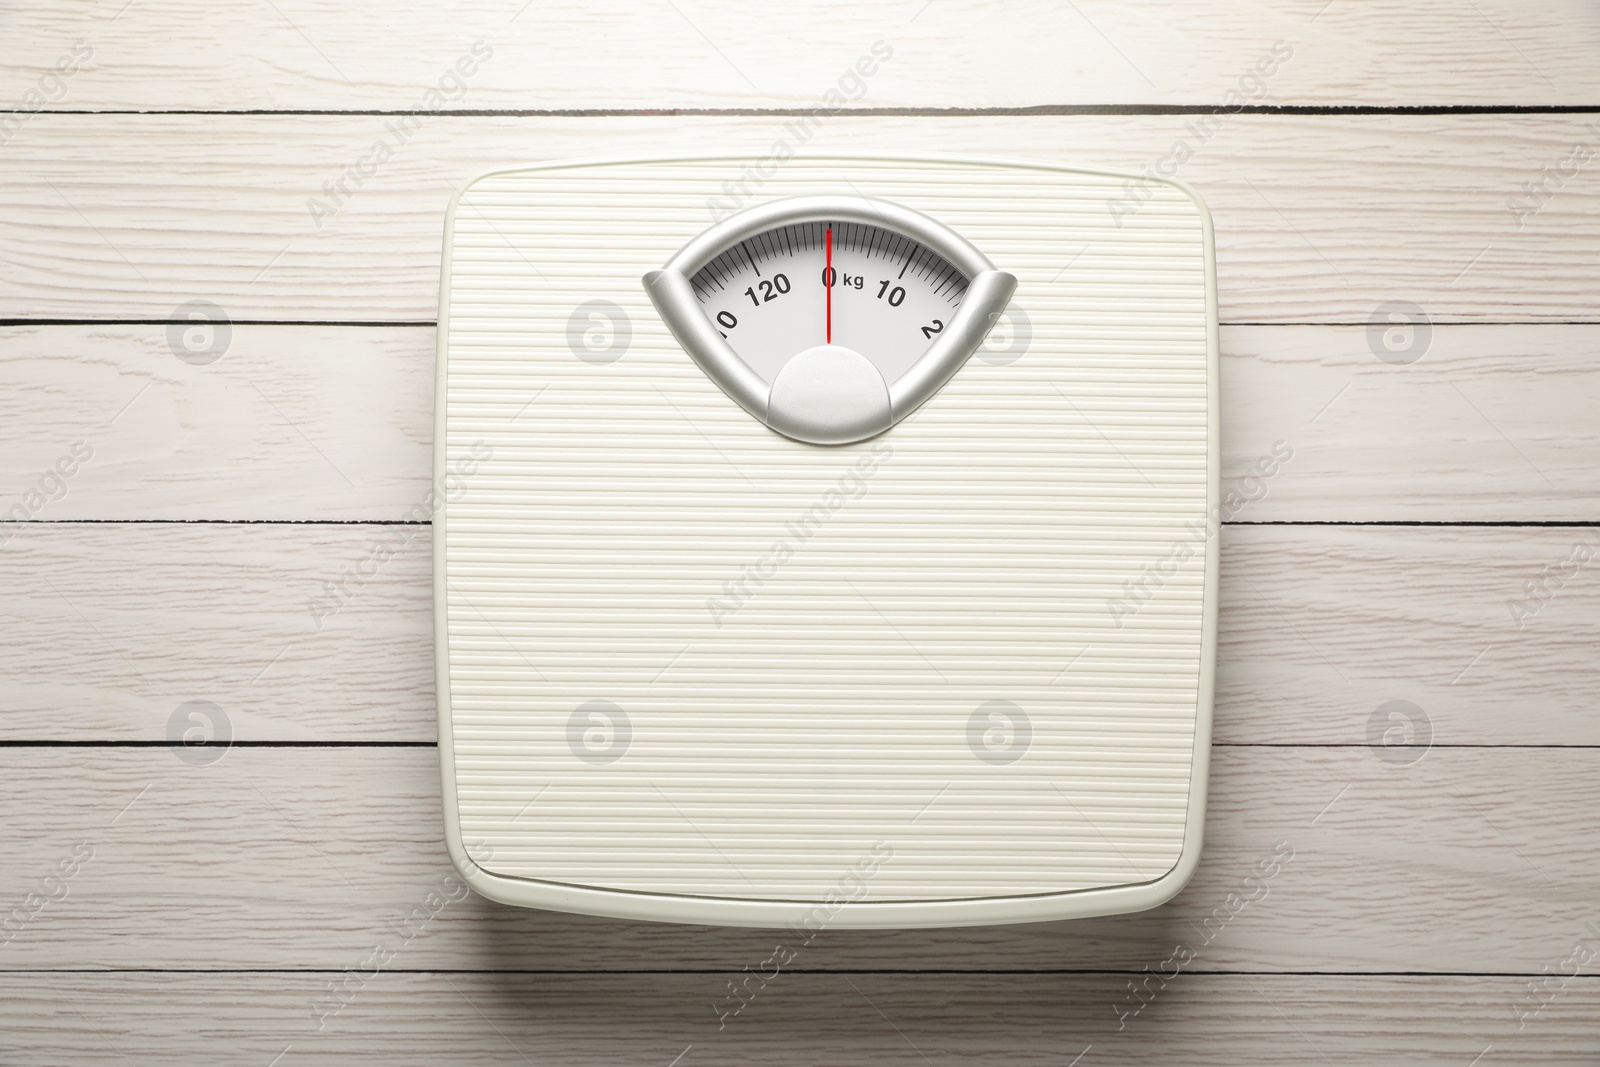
(860, 286)
(829, 318)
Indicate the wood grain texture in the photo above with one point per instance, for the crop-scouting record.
(1492, 423)
(296, 54)
(1322, 625)
(1463, 862)
(290, 423)
(1318, 218)
(1489, 424)
(481, 1019)
(223, 613)
(110, 627)
(1472, 868)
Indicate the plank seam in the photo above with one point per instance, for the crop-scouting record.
(225, 745)
(1508, 524)
(1021, 111)
(378, 324)
(951, 971)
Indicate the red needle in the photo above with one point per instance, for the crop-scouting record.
(827, 280)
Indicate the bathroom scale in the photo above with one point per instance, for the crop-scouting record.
(826, 543)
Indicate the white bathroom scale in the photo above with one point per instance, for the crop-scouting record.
(827, 544)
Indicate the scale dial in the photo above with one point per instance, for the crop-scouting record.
(829, 318)
(863, 287)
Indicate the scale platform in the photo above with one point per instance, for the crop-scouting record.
(829, 543)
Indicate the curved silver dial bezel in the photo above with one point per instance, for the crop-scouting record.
(988, 292)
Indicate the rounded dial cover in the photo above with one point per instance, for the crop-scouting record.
(829, 318)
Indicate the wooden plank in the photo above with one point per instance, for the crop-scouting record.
(470, 1019)
(289, 422)
(111, 627)
(115, 216)
(1320, 627)
(237, 615)
(1493, 423)
(1487, 424)
(300, 55)
(299, 858)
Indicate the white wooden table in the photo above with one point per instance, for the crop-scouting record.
(1429, 542)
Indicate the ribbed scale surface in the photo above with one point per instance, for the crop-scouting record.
(781, 727)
